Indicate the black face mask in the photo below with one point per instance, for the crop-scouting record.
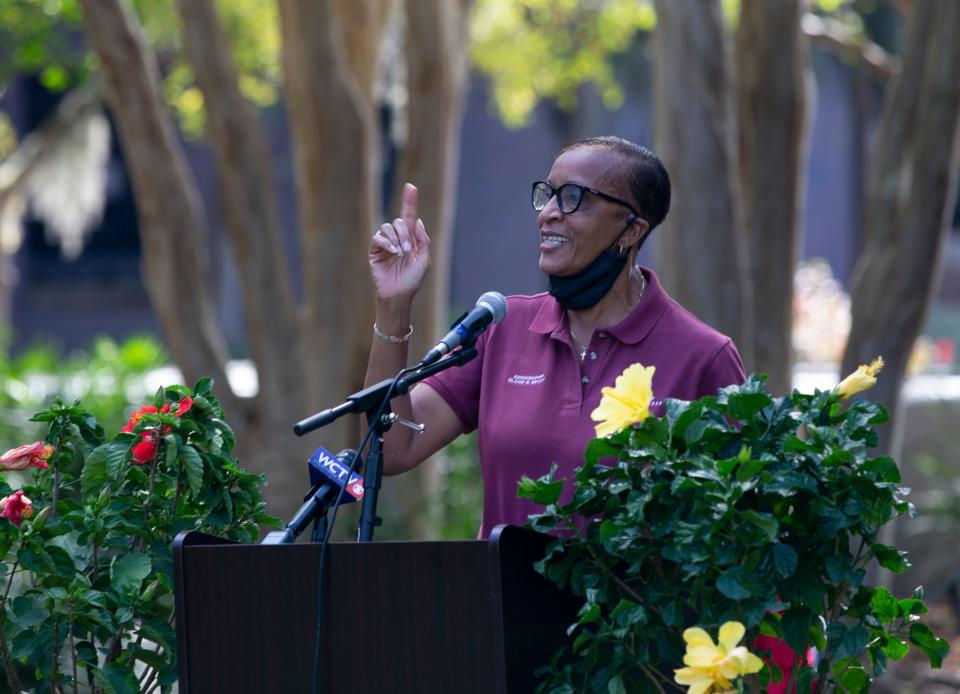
(591, 284)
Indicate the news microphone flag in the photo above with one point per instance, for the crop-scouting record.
(326, 467)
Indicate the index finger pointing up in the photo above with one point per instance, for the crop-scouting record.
(408, 205)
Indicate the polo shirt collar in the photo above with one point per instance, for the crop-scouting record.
(551, 319)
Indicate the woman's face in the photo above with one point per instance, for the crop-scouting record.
(570, 242)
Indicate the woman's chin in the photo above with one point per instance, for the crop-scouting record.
(551, 265)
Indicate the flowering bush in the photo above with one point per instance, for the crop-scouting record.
(735, 507)
(86, 574)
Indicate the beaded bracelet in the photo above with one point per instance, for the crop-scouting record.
(393, 339)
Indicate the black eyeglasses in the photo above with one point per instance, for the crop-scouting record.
(569, 196)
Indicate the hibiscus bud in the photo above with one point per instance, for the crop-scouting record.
(150, 591)
(41, 518)
(864, 377)
(103, 499)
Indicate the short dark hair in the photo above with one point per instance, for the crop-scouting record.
(647, 178)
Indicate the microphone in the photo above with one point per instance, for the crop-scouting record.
(490, 308)
(327, 474)
(331, 470)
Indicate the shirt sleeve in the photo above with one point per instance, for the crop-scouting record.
(725, 369)
(459, 386)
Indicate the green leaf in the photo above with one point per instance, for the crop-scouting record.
(855, 679)
(934, 647)
(805, 586)
(600, 448)
(838, 567)
(730, 583)
(117, 678)
(616, 686)
(35, 559)
(885, 468)
(26, 613)
(742, 406)
(886, 608)
(765, 522)
(784, 558)
(193, 467)
(896, 648)
(540, 491)
(94, 474)
(847, 643)
(127, 572)
(795, 626)
(890, 558)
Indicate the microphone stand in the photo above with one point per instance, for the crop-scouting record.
(375, 403)
(313, 509)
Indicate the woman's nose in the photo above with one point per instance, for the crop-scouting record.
(550, 210)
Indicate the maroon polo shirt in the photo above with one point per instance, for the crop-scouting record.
(530, 397)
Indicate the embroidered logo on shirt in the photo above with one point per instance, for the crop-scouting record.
(521, 380)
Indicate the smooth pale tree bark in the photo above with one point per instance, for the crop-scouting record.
(334, 137)
(911, 189)
(437, 81)
(700, 251)
(253, 228)
(176, 257)
(771, 58)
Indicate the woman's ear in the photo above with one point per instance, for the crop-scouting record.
(636, 228)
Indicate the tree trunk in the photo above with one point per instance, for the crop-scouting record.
(911, 190)
(437, 72)
(253, 227)
(175, 240)
(334, 137)
(772, 80)
(700, 251)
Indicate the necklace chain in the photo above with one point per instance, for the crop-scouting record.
(582, 350)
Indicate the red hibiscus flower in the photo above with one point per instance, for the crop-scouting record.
(183, 407)
(146, 450)
(20, 458)
(137, 416)
(16, 507)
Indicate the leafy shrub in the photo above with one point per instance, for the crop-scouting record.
(740, 506)
(86, 577)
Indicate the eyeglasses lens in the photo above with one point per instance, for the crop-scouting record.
(568, 195)
(542, 192)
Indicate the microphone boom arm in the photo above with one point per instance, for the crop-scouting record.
(369, 399)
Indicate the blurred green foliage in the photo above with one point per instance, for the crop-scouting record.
(43, 37)
(459, 504)
(537, 49)
(108, 377)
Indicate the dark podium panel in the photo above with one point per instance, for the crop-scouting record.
(470, 616)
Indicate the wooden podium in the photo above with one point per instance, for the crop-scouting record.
(466, 616)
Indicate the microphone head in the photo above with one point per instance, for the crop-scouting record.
(495, 303)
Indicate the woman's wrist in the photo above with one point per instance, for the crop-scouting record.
(393, 318)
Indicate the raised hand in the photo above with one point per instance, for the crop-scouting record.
(399, 253)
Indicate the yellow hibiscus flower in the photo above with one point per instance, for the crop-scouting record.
(712, 667)
(628, 402)
(861, 379)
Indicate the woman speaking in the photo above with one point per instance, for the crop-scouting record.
(539, 372)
